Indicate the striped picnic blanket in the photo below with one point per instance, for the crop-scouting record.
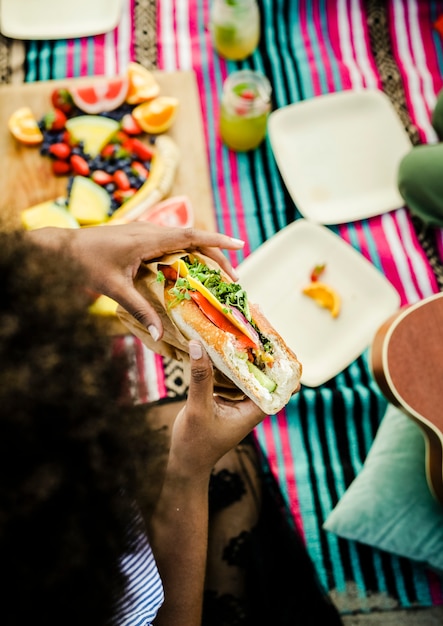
(317, 445)
(308, 48)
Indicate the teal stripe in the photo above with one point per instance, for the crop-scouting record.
(315, 51)
(399, 582)
(90, 48)
(365, 417)
(358, 574)
(372, 246)
(278, 197)
(337, 468)
(77, 58)
(299, 52)
(324, 498)
(276, 53)
(210, 128)
(45, 57)
(59, 59)
(379, 571)
(32, 60)
(305, 492)
(349, 402)
(338, 85)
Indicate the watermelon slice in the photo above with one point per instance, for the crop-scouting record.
(104, 94)
(174, 212)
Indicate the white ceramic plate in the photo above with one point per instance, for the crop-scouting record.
(275, 274)
(338, 154)
(58, 19)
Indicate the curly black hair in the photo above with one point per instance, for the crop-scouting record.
(73, 452)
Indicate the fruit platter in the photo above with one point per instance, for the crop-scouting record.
(102, 150)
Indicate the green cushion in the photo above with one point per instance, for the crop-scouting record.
(389, 505)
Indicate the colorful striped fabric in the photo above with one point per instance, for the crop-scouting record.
(308, 48)
(318, 444)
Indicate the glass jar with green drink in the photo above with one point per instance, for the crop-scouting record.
(235, 28)
(244, 110)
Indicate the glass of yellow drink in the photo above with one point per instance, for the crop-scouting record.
(244, 110)
(235, 28)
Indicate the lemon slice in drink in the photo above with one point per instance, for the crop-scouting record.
(324, 296)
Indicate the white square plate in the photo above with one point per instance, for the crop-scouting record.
(338, 154)
(274, 275)
(58, 19)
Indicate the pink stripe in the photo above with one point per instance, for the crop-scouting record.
(199, 44)
(289, 470)
(389, 267)
(160, 376)
(435, 587)
(84, 57)
(397, 25)
(285, 473)
(141, 371)
(213, 112)
(196, 43)
(176, 39)
(159, 37)
(412, 274)
(334, 38)
(132, 31)
(439, 238)
(323, 50)
(368, 47)
(119, 349)
(428, 35)
(70, 58)
(316, 85)
(99, 56)
(115, 50)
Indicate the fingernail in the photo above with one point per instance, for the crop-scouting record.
(239, 241)
(195, 350)
(235, 274)
(154, 332)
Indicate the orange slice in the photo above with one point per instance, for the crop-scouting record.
(156, 116)
(24, 127)
(142, 84)
(324, 296)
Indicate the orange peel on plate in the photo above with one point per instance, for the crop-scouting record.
(324, 296)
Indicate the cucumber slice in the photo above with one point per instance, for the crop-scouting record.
(262, 378)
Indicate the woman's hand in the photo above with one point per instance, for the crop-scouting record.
(208, 426)
(203, 431)
(112, 255)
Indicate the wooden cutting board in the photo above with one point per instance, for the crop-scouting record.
(26, 178)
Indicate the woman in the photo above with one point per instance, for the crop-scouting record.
(94, 493)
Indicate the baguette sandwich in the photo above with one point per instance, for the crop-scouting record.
(197, 300)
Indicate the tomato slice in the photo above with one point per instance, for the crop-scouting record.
(168, 272)
(217, 318)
